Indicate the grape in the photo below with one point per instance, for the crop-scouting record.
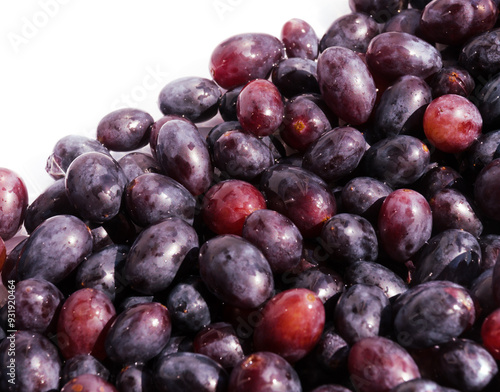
(37, 305)
(490, 250)
(480, 55)
(125, 129)
(295, 76)
(241, 155)
(183, 154)
(304, 122)
(336, 153)
(397, 160)
(192, 97)
(245, 57)
(88, 383)
(452, 123)
(401, 107)
(139, 333)
(332, 351)
(405, 224)
(395, 54)
(362, 311)
(136, 163)
(67, 149)
(453, 22)
(181, 372)
(348, 238)
(135, 378)
(322, 281)
(157, 254)
(346, 84)
(95, 185)
(236, 271)
(482, 151)
(55, 249)
(300, 195)
(152, 197)
(452, 80)
(481, 290)
(438, 178)
(488, 104)
(490, 332)
(37, 365)
(420, 385)
(352, 31)
(259, 108)
(155, 130)
(227, 204)
(220, 129)
(300, 39)
(276, 236)
(405, 21)
(83, 364)
(13, 203)
(379, 364)
(487, 189)
(264, 371)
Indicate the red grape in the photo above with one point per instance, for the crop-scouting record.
(13, 203)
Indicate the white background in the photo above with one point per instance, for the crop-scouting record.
(65, 64)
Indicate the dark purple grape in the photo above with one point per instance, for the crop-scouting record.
(352, 31)
(377, 364)
(245, 57)
(452, 254)
(136, 163)
(336, 154)
(489, 103)
(83, 364)
(264, 371)
(28, 362)
(295, 76)
(128, 302)
(395, 54)
(322, 281)
(88, 383)
(397, 160)
(401, 107)
(139, 333)
(135, 378)
(236, 271)
(404, 224)
(452, 210)
(125, 129)
(52, 201)
(438, 178)
(362, 311)
(452, 79)
(260, 108)
(300, 39)
(67, 149)
(189, 310)
(13, 203)
(152, 197)
(103, 270)
(157, 254)
(465, 365)
(346, 84)
(219, 342)
(227, 104)
(155, 130)
(176, 344)
(276, 236)
(183, 154)
(364, 196)
(481, 55)
(332, 351)
(300, 195)
(482, 151)
(37, 305)
(241, 155)
(220, 129)
(487, 190)
(405, 21)
(95, 185)
(453, 22)
(9, 269)
(55, 249)
(481, 290)
(490, 250)
(348, 238)
(371, 273)
(194, 98)
(304, 121)
(432, 313)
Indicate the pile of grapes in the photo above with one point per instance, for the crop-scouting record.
(337, 230)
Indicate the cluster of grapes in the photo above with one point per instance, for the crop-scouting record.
(338, 230)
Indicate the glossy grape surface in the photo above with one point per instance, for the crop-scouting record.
(13, 203)
(346, 84)
(300, 39)
(83, 364)
(452, 80)
(136, 163)
(480, 55)
(296, 76)
(244, 57)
